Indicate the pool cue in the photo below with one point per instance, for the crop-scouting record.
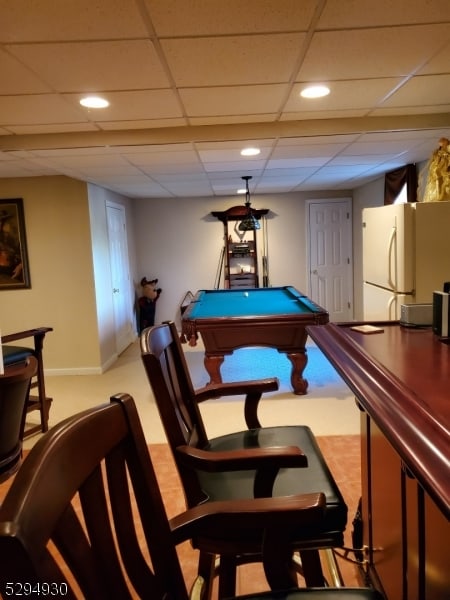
(219, 269)
(265, 264)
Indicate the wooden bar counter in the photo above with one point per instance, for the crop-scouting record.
(401, 380)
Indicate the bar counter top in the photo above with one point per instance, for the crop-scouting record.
(401, 377)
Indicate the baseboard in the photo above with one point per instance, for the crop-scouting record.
(83, 370)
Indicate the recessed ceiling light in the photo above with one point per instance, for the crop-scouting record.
(315, 91)
(94, 102)
(250, 152)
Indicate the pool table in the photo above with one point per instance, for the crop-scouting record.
(229, 319)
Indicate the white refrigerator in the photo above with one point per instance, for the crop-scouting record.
(406, 256)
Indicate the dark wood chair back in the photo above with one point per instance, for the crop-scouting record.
(84, 518)
(14, 392)
(258, 462)
(84, 487)
(174, 394)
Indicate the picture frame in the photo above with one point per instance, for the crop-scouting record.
(14, 268)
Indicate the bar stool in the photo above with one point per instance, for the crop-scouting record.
(13, 354)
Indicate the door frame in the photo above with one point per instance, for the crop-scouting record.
(349, 201)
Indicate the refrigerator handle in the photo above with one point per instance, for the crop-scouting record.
(392, 277)
(392, 308)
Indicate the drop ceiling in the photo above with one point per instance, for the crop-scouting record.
(192, 82)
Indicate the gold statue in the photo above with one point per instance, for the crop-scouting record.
(437, 186)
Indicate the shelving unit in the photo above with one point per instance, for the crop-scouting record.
(240, 252)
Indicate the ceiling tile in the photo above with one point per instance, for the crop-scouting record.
(133, 105)
(43, 21)
(426, 90)
(189, 188)
(285, 163)
(366, 13)
(371, 53)
(236, 60)
(85, 162)
(179, 18)
(175, 177)
(161, 158)
(231, 155)
(344, 95)
(21, 169)
(37, 109)
(175, 169)
(94, 66)
(377, 147)
(248, 166)
(237, 100)
(307, 150)
(192, 81)
(439, 63)
(19, 79)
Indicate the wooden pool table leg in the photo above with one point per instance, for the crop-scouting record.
(298, 360)
(212, 366)
(213, 362)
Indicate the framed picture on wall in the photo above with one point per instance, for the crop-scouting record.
(14, 271)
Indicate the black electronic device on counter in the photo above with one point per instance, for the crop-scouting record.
(441, 314)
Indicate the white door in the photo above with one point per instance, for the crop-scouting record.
(120, 276)
(330, 257)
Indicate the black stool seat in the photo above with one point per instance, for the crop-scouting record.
(15, 354)
(232, 485)
(14, 393)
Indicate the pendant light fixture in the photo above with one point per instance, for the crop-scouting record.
(249, 223)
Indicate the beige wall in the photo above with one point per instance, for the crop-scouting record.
(98, 200)
(62, 292)
(70, 291)
(174, 239)
(179, 241)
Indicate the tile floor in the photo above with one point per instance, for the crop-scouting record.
(328, 408)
